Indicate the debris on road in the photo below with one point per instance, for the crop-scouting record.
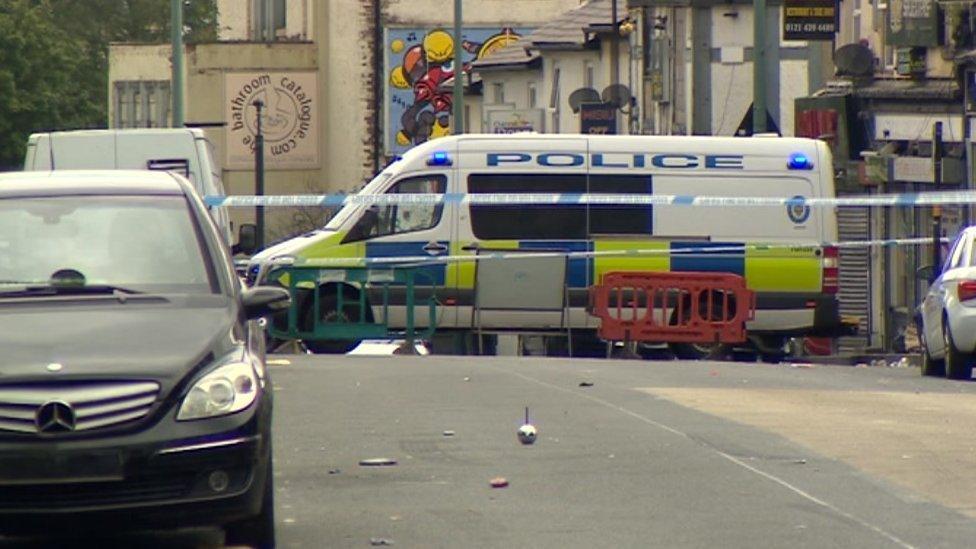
(586, 384)
(499, 482)
(527, 432)
(448, 433)
(279, 362)
(802, 365)
(378, 462)
(467, 379)
(800, 461)
(334, 471)
(380, 541)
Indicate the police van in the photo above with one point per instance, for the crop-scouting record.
(782, 251)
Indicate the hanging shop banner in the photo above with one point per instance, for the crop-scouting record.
(511, 120)
(289, 119)
(913, 23)
(598, 118)
(809, 19)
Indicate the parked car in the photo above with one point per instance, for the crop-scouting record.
(948, 313)
(133, 388)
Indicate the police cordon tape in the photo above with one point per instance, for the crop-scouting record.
(692, 251)
(516, 199)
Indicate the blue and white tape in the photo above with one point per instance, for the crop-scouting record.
(514, 199)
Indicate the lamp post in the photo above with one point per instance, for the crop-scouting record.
(759, 66)
(176, 38)
(259, 174)
(458, 99)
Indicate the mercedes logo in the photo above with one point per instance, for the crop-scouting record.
(55, 417)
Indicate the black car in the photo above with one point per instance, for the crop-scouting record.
(133, 389)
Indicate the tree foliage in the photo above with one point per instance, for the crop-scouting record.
(54, 59)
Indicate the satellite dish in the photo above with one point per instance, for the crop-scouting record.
(617, 95)
(583, 95)
(854, 60)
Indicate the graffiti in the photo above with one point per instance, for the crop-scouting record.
(420, 65)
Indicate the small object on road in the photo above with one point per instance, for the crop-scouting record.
(467, 379)
(334, 471)
(380, 541)
(449, 433)
(279, 362)
(499, 482)
(801, 365)
(800, 461)
(527, 432)
(586, 384)
(378, 462)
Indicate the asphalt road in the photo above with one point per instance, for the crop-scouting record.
(653, 454)
(643, 454)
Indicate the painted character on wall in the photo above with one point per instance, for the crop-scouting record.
(421, 90)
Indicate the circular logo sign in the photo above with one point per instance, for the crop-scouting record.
(286, 111)
(797, 210)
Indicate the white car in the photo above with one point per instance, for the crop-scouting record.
(948, 314)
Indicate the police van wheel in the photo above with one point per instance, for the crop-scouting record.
(330, 313)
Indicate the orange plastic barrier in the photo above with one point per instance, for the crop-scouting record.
(682, 307)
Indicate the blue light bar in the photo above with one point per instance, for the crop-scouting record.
(439, 158)
(799, 161)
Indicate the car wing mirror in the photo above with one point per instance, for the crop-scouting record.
(926, 273)
(261, 301)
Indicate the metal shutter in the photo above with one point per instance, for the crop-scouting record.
(854, 295)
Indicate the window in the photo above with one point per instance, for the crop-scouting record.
(384, 220)
(105, 238)
(268, 17)
(141, 104)
(546, 222)
(621, 219)
(498, 93)
(532, 222)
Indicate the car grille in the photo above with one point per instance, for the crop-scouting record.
(59, 496)
(94, 405)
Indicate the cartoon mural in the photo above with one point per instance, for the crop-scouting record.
(420, 65)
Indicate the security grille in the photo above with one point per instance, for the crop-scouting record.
(854, 295)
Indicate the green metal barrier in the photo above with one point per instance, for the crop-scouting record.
(304, 279)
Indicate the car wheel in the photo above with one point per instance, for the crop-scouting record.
(930, 366)
(702, 351)
(330, 313)
(958, 365)
(258, 531)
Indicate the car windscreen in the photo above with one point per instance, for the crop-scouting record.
(146, 244)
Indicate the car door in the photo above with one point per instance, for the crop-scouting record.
(414, 230)
(934, 304)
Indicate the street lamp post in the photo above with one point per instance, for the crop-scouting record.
(259, 174)
(458, 99)
(176, 38)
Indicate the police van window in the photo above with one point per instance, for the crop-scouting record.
(528, 222)
(392, 219)
(621, 219)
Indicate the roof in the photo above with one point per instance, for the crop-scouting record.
(85, 182)
(570, 28)
(513, 55)
(944, 89)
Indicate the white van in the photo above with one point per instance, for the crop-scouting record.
(783, 252)
(186, 151)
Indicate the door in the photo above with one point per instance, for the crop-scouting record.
(411, 230)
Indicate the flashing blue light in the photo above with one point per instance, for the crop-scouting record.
(439, 158)
(799, 161)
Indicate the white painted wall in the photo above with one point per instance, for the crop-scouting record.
(233, 19)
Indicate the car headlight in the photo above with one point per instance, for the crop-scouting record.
(226, 390)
